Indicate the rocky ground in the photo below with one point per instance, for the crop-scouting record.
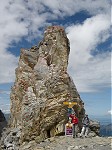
(92, 142)
(68, 143)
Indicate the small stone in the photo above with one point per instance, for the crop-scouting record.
(76, 147)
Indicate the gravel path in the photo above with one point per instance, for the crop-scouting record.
(68, 143)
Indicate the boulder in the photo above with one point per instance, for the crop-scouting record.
(95, 126)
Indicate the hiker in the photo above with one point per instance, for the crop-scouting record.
(70, 111)
(75, 124)
(85, 128)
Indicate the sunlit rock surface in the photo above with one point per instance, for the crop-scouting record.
(42, 85)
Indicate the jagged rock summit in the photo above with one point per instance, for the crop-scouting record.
(41, 86)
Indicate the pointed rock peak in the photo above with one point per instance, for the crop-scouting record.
(52, 29)
(42, 85)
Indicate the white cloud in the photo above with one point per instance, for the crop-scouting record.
(5, 108)
(69, 7)
(24, 18)
(89, 72)
(16, 21)
(110, 112)
(4, 92)
(8, 63)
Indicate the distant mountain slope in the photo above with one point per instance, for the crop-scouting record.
(106, 130)
(3, 122)
(7, 116)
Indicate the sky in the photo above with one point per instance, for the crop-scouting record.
(87, 24)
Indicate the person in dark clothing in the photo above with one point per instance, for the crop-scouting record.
(85, 128)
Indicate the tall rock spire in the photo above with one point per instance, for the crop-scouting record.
(42, 85)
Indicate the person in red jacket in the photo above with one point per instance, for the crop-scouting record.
(74, 121)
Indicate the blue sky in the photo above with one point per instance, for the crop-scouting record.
(87, 24)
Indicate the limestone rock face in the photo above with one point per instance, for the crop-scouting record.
(42, 85)
(3, 122)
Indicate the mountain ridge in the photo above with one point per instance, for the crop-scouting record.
(106, 130)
